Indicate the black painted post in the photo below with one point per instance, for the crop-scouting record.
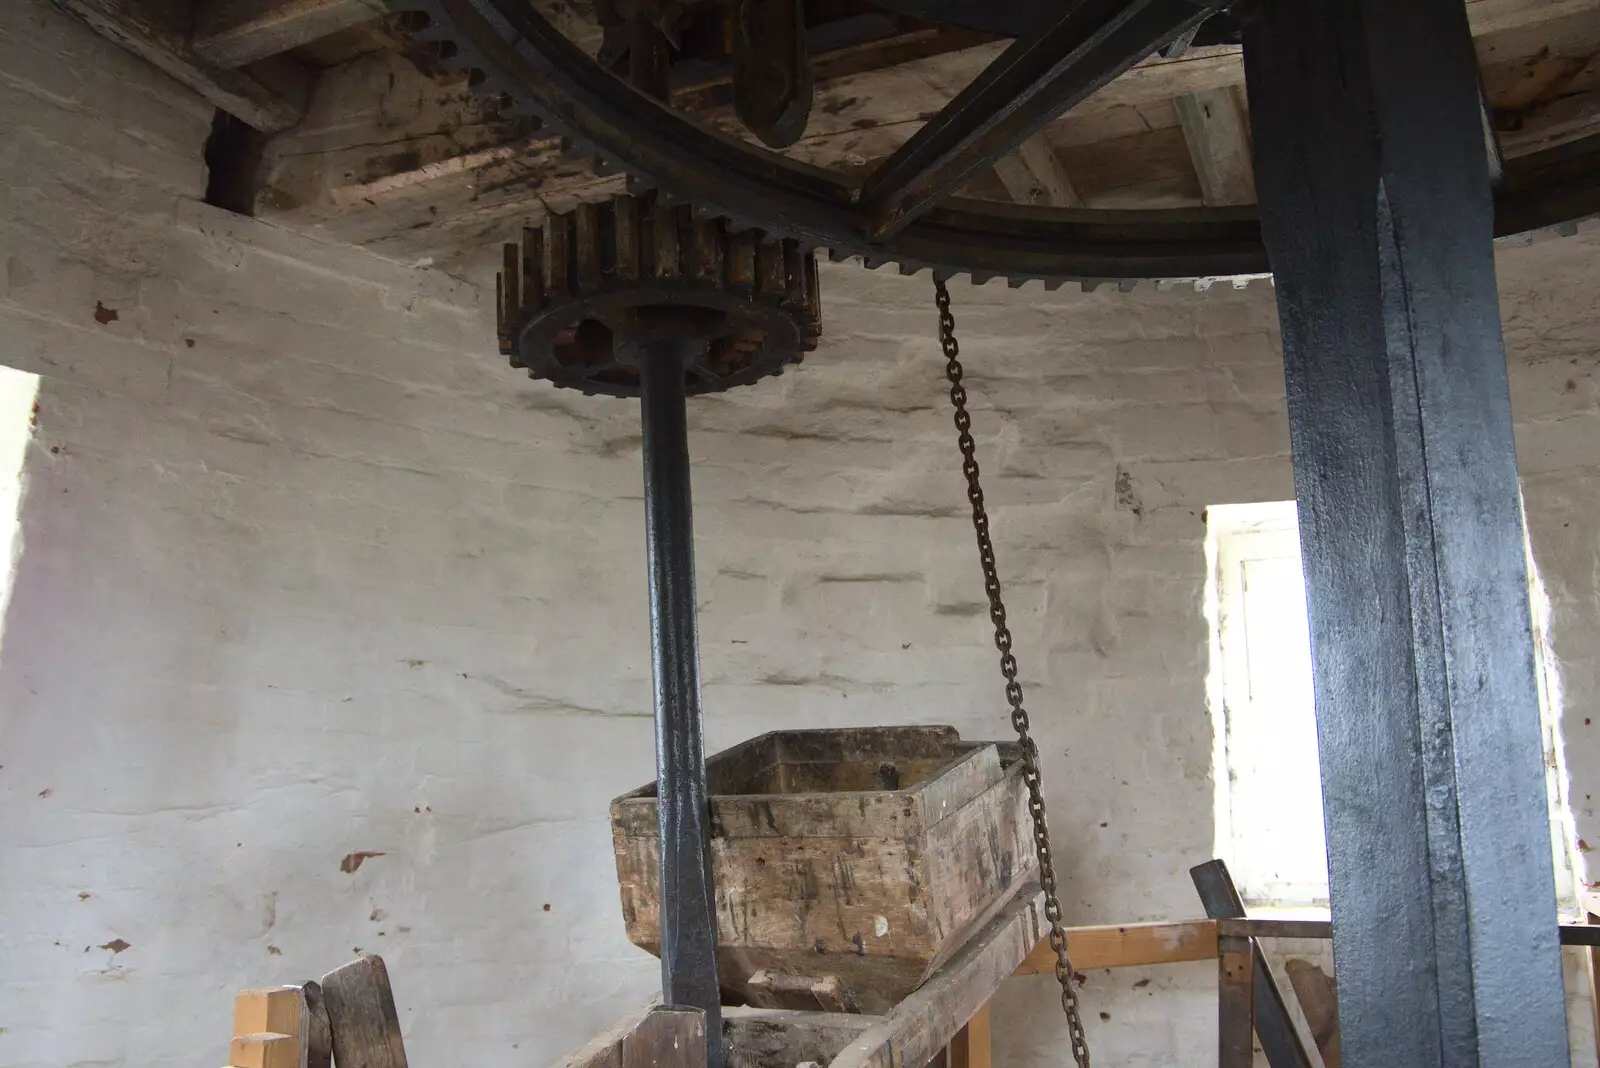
(1375, 204)
(688, 902)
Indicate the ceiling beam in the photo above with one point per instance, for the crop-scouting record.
(268, 97)
(840, 48)
(1033, 175)
(1565, 109)
(1493, 16)
(1218, 136)
(231, 33)
(1033, 81)
(372, 168)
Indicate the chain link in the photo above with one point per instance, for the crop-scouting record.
(1008, 668)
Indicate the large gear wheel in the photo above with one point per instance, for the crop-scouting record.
(517, 55)
(575, 289)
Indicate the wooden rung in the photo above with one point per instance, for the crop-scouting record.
(265, 1050)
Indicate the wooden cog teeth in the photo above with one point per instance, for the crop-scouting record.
(636, 240)
(596, 247)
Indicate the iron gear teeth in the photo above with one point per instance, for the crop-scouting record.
(466, 57)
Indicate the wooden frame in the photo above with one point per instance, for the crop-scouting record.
(1182, 941)
(1132, 945)
(761, 1037)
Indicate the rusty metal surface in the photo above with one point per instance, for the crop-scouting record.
(1008, 671)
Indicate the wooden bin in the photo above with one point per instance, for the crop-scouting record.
(848, 862)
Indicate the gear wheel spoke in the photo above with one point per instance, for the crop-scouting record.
(515, 53)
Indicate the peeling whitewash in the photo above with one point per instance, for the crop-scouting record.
(329, 632)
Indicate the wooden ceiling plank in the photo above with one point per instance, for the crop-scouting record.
(358, 173)
(1564, 118)
(1033, 175)
(231, 33)
(128, 23)
(1012, 100)
(1215, 128)
(1495, 16)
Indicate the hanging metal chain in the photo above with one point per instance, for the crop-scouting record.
(1008, 668)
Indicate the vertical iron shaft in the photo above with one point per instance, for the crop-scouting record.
(688, 894)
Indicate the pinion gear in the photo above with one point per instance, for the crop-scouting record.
(574, 292)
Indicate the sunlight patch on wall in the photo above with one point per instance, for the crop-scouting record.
(17, 392)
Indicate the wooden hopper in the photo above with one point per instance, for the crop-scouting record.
(848, 863)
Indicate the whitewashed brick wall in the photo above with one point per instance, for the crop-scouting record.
(308, 574)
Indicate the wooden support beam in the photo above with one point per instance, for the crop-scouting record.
(779, 1038)
(1376, 215)
(231, 33)
(971, 1047)
(1137, 945)
(1215, 129)
(1243, 928)
(1235, 1003)
(1128, 945)
(1270, 1015)
(269, 98)
(1569, 934)
(1570, 111)
(1591, 963)
(920, 1026)
(852, 45)
(1493, 16)
(1033, 175)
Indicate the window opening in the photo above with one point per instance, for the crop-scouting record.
(17, 392)
(1268, 784)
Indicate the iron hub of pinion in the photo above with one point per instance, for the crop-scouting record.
(906, 212)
